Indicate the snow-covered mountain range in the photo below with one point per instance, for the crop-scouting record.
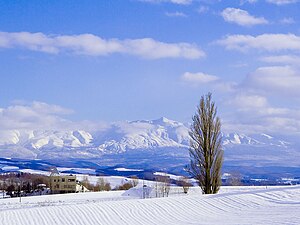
(122, 137)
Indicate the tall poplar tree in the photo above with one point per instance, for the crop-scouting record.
(206, 154)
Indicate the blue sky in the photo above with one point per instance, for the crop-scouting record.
(142, 59)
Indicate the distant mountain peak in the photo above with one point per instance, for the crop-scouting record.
(162, 133)
(166, 121)
(252, 140)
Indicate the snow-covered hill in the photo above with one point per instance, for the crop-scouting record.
(233, 205)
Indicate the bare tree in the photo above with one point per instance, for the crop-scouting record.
(87, 184)
(184, 183)
(206, 154)
(134, 180)
(235, 179)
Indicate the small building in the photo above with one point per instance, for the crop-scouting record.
(62, 184)
(3, 194)
(81, 188)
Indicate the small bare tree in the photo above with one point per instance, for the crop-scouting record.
(87, 184)
(184, 183)
(206, 154)
(134, 180)
(235, 179)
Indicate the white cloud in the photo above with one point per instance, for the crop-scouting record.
(32, 116)
(257, 124)
(152, 49)
(41, 116)
(282, 59)
(198, 78)
(89, 44)
(211, 81)
(287, 20)
(254, 114)
(179, 2)
(241, 17)
(244, 101)
(282, 2)
(175, 14)
(258, 105)
(282, 80)
(268, 42)
(45, 108)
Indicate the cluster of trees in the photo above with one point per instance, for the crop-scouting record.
(162, 186)
(185, 184)
(101, 185)
(134, 180)
(25, 183)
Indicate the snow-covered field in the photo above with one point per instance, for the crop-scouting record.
(233, 205)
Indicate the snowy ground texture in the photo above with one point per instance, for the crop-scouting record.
(233, 205)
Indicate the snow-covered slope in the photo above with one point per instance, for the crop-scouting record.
(45, 139)
(233, 205)
(255, 140)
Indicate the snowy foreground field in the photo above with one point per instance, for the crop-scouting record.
(233, 205)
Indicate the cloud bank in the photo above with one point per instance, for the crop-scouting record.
(278, 79)
(41, 116)
(267, 42)
(259, 103)
(92, 45)
(282, 59)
